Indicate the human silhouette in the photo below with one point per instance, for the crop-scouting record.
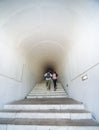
(48, 77)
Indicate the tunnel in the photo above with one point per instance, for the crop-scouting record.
(59, 35)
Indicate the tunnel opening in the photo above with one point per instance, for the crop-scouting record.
(49, 68)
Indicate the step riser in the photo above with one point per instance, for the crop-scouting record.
(39, 88)
(51, 90)
(47, 91)
(59, 94)
(46, 94)
(38, 127)
(47, 115)
(43, 107)
(40, 91)
(54, 96)
(28, 97)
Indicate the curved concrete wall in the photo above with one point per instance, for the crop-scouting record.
(62, 35)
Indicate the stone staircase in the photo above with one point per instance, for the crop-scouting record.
(40, 91)
(41, 113)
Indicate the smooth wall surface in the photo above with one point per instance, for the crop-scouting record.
(16, 77)
(83, 60)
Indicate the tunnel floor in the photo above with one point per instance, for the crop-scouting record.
(42, 91)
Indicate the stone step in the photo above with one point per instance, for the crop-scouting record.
(47, 114)
(44, 107)
(47, 124)
(47, 92)
(51, 94)
(48, 95)
(44, 96)
(44, 89)
(45, 104)
(52, 90)
(40, 91)
(46, 110)
(43, 86)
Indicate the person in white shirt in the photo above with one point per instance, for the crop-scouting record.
(48, 77)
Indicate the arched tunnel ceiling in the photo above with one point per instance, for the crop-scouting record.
(36, 19)
(39, 28)
(42, 29)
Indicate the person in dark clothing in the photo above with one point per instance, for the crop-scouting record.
(54, 78)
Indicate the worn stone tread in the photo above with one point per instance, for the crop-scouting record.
(44, 111)
(49, 122)
(46, 101)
